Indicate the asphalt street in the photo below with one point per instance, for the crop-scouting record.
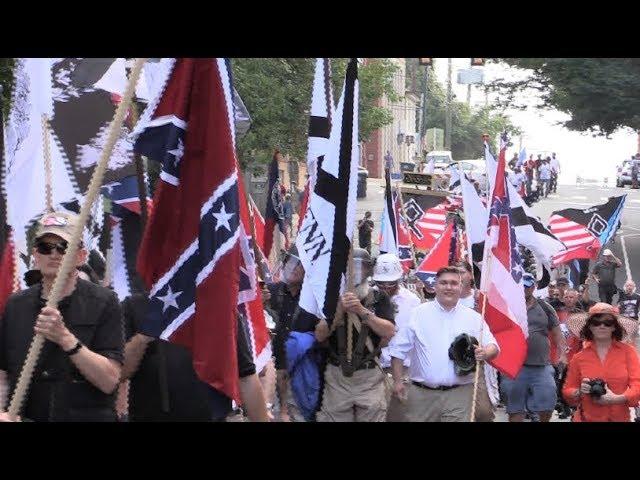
(626, 245)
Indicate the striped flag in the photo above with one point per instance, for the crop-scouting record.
(586, 231)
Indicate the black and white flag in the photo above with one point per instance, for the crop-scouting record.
(324, 240)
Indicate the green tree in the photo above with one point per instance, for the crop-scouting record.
(6, 80)
(277, 94)
(468, 125)
(600, 94)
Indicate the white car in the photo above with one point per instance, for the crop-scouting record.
(476, 169)
(441, 160)
(623, 175)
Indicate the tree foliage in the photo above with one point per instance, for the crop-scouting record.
(6, 81)
(600, 94)
(277, 94)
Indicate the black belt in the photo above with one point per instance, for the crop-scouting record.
(364, 366)
(441, 387)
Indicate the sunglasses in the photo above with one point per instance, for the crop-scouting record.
(387, 284)
(45, 248)
(606, 323)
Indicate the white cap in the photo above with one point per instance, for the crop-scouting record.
(607, 252)
(387, 268)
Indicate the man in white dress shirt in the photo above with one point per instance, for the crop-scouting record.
(387, 273)
(436, 393)
(488, 391)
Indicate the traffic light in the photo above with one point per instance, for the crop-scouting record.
(427, 62)
(477, 62)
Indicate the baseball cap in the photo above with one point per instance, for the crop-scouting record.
(607, 252)
(562, 281)
(62, 224)
(528, 280)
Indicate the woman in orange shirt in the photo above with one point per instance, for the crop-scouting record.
(605, 357)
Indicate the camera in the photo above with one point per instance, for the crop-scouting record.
(598, 387)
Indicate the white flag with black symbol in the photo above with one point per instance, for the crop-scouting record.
(324, 241)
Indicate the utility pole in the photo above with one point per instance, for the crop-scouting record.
(447, 138)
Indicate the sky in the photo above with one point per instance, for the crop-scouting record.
(578, 153)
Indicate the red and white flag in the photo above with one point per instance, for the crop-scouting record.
(505, 310)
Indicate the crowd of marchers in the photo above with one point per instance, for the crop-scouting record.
(397, 350)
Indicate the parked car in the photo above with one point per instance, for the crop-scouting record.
(623, 175)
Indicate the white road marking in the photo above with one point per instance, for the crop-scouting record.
(626, 258)
(634, 200)
(579, 197)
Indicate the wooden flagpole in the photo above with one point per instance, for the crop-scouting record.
(48, 193)
(486, 265)
(68, 260)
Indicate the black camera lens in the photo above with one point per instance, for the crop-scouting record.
(598, 387)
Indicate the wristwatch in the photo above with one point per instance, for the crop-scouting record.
(74, 350)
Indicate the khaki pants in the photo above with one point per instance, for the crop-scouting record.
(360, 398)
(453, 405)
(484, 407)
(396, 410)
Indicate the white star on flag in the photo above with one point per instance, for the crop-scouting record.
(169, 300)
(109, 188)
(178, 152)
(222, 218)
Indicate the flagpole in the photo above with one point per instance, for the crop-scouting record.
(37, 343)
(48, 194)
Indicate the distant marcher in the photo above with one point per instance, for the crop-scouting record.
(604, 272)
(365, 227)
(287, 210)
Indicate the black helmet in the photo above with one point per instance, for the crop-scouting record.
(462, 353)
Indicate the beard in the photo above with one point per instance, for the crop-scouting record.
(362, 290)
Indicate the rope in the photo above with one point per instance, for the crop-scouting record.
(47, 163)
(68, 260)
(477, 374)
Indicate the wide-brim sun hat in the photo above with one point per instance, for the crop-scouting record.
(576, 321)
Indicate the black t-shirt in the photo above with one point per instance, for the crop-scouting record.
(628, 304)
(189, 399)
(365, 227)
(383, 308)
(285, 305)
(606, 272)
(59, 392)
